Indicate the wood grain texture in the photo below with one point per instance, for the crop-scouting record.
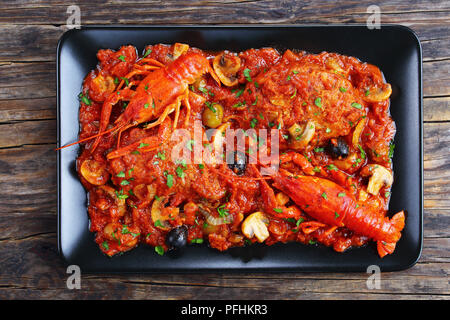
(30, 266)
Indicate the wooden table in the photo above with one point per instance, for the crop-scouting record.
(29, 263)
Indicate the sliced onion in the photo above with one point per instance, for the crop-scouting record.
(214, 221)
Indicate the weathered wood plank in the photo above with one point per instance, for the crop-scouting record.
(32, 264)
(38, 43)
(29, 43)
(229, 12)
(27, 80)
(28, 184)
(27, 109)
(436, 76)
(28, 132)
(436, 108)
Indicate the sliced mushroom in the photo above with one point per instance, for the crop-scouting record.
(226, 67)
(379, 94)
(379, 177)
(159, 220)
(255, 225)
(302, 136)
(179, 49)
(94, 172)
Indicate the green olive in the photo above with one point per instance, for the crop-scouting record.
(212, 115)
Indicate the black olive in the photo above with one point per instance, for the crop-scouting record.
(338, 148)
(237, 161)
(177, 237)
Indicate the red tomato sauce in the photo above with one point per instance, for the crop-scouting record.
(139, 197)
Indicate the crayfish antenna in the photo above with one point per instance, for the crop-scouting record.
(86, 139)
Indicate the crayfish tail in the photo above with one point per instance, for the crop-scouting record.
(397, 223)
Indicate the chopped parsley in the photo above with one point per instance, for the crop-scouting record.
(278, 210)
(122, 58)
(210, 106)
(356, 105)
(84, 99)
(169, 180)
(120, 195)
(121, 174)
(391, 150)
(127, 82)
(158, 224)
(318, 102)
(161, 155)
(222, 211)
(203, 90)
(189, 144)
(239, 104)
(247, 75)
(295, 93)
(147, 52)
(363, 153)
(180, 172)
(324, 195)
(142, 145)
(159, 250)
(342, 89)
(332, 167)
(238, 94)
